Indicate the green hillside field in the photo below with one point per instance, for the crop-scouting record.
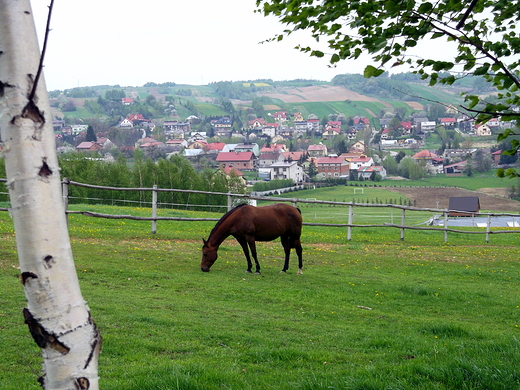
(372, 313)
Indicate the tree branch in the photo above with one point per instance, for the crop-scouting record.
(40, 66)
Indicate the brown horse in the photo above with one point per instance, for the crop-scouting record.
(249, 224)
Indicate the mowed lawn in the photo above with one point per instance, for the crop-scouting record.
(371, 313)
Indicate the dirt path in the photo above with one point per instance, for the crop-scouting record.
(428, 197)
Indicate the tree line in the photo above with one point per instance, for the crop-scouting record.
(142, 172)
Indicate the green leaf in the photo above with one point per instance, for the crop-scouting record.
(425, 8)
(370, 71)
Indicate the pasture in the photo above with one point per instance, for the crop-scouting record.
(371, 313)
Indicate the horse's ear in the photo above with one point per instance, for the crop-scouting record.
(204, 241)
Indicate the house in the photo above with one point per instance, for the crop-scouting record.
(455, 169)
(331, 132)
(221, 123)
(230, 171)
(270, 129)
(425, 155)
(463, 206)
(78, 129)
(137, 118)
(313, 125)
(126, 124)
(174, 146)
(293, 156)
(482, 130)
(248, 147)
(448, 123)
(88, 147)
(319, 150)
(175, 127)
(367, 172)
(127, 101)
(358, 162)
(257, 123)
(197, 136)
(358, 147)
(214, 147)
(267, 159)
(274, 148)
(333, 166)
(198, 145)
(297, 117)
(280, 116)
(407, 127)
(495, 156)
(239, 160)
(288, 170)
(104, 142)
(362, 121)
(427, 126)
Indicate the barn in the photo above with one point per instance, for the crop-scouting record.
(463, 206)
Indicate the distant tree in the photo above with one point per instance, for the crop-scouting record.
(399, 156)
(482, 161)
(91, 135)
(390, 164)
(68, 106)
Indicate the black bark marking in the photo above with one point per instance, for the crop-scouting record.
(45, 170)
(82, 383)
(27, 275)
(94, 345)
(41, 336)
(48, 261)
(3, 85)
(31, 111)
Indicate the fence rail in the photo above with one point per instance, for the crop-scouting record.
(295, 201)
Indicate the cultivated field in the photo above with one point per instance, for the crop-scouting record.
(372, 313)
(321, 93)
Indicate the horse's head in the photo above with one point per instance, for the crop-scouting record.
(209, 256)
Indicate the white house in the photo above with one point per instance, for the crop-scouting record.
(288, 170)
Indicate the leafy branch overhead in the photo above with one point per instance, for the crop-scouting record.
(482, 32)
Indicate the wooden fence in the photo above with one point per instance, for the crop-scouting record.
(350, 225)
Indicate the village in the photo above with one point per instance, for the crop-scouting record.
(268, 148)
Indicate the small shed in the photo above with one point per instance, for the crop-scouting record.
(463, 206)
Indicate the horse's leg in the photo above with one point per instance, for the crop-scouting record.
(243, 243)
(298, 246)
(287, 249)
(252, 246)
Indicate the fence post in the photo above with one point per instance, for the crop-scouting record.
(445, 226)
(65, 196)
(295, 202)
(229, 201)
(402, 224)
(154, 209)
(488, 228)
(350, 218)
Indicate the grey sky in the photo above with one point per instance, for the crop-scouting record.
(195, 42)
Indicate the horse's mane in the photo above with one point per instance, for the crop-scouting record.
(224, 217)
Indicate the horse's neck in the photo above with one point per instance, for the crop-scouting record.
(218, 236)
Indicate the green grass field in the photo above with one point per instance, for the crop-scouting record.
(372, 313)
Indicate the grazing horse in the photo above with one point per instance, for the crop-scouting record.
(249, 224)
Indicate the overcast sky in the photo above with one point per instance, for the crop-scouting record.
(194, 42)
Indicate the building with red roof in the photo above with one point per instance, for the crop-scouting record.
(333, 166)
(239, 160)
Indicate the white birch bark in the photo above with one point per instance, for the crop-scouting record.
(58, 317)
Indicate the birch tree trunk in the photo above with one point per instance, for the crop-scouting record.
(56, 314)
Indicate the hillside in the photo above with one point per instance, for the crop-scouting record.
(351, 95)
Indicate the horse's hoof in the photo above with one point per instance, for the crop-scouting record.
(257, 273)
(282, 272)
(300, 272)
(248, 271)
